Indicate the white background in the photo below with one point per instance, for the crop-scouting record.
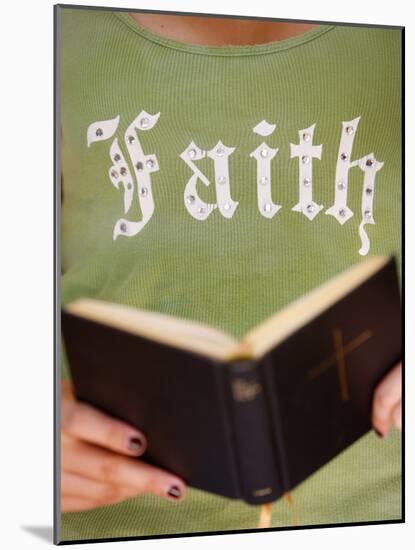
(26, 246)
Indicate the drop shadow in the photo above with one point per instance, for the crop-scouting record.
(44, 532)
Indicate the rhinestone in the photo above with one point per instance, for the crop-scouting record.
(370, 162)
(201, 210)
(129, 185)
(130, 139)
(99, 132)
(343, 156)
(227, 206)
(305, 159)
(341, 185)
(310, 208)
(114, 173)
(263, 180)
(117, 157)
(307, 182)
(220, 151)
(342, 212)
(123, 171)
(306, 137)
(143, 191)
(150, 163)
(267, 207)
(190, 199)
(368, 214)
(222, 179)
(139, 166)
(350, 130)
(144, 122)
(264, 153)
(123, 227)
(192, 153)
(368, 191)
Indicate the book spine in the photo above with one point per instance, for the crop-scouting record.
(257, 455)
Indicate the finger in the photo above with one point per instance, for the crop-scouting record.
(386, 396)
(75, 485)
(85, 422)
(397, 416)
(67, 388)
(103, 465)
(76, 504)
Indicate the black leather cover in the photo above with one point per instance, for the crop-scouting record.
(316, 414)
(249, 429)
(178, 399)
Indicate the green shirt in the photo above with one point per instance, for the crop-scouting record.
(194, 184)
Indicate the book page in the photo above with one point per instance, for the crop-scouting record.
(174, 331)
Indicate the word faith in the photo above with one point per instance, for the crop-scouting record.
(137, 183)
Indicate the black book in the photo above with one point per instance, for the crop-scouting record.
(246, 419)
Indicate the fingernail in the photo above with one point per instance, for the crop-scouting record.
(135, 444)
(379, 434)
(174, 491)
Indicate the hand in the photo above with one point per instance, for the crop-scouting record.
(386, 408)
(96, 459)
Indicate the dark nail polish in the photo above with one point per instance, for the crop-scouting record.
(379, 434)
(135, 444)
(174, 491)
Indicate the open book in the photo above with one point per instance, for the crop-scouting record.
(247, 418)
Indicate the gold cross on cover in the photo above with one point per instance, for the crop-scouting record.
(338, 358)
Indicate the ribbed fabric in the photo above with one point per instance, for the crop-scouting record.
(230, 273)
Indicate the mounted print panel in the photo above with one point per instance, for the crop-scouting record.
(230, 221)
